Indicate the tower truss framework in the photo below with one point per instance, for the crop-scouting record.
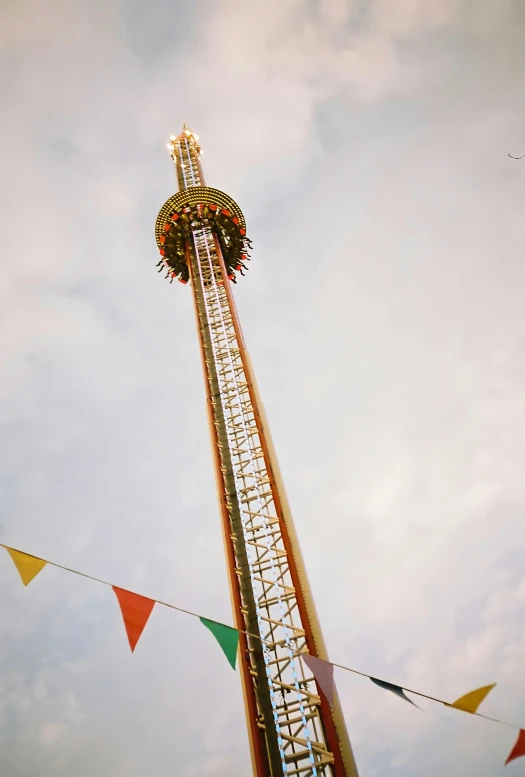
(293, 730)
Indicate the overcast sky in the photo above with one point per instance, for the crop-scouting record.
(366, 143)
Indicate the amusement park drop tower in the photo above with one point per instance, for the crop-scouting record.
(293, 729)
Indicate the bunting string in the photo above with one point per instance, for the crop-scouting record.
(25, 561)
(430, 698)
(136, 610)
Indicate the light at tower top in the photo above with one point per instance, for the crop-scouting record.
(185, 134)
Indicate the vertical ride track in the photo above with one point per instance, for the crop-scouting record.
(292, 728)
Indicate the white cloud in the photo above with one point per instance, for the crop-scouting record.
(51, 733)
(367, 146)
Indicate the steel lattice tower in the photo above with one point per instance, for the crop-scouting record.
(293, 730)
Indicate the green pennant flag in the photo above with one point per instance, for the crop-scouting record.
(227, 638)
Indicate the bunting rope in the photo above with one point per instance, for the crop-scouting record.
(137, 608)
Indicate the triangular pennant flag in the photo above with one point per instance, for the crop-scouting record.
(28, 566)
(394, 689)
(226, 636)
(135, 610)
(471, 701)
(323, 671)
(519, 748)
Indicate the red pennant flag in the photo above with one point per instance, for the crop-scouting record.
(136, 610)
(323, 671)
(519, 748)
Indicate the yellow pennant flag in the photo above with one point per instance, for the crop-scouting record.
(28, 566)
(471, 701)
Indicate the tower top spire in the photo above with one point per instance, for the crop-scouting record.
(186, 136)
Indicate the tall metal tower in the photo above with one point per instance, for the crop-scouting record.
(293, 729)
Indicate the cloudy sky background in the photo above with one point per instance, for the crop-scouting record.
(367, 146)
